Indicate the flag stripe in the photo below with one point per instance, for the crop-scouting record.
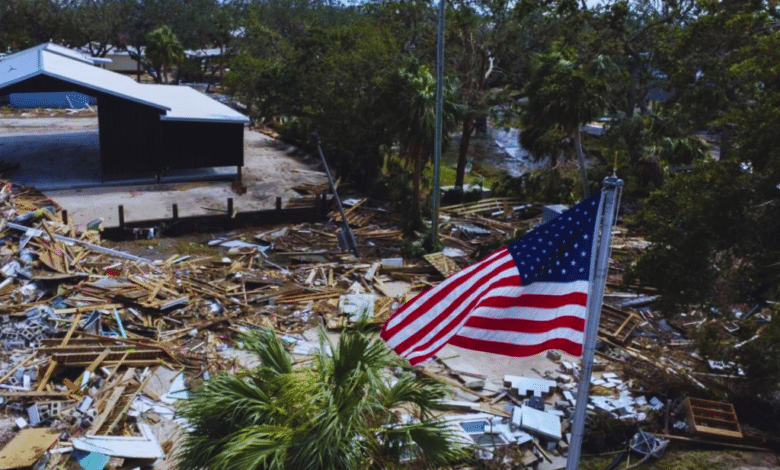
(535, 301)
(431, 335)
(512, 350)
(530, 326)
(527, 313)
(427, 349)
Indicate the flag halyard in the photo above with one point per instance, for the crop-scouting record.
(522, 299)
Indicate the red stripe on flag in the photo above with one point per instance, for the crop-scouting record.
(513, 350)
(538, 301)
(526, 326)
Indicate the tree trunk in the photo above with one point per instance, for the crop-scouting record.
(581, 161)
(221, 56)
(463, 149)
(416, 177)
(138, 62)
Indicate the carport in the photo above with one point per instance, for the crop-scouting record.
(143, 128)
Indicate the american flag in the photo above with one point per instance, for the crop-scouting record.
(522, 299)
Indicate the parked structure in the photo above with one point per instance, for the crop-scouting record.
(143, 128)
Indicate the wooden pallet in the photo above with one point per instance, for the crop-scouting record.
(492, 205)
(618, 324)
(708, 418)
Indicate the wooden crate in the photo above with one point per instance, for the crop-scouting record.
(712, 419)
(618, 324)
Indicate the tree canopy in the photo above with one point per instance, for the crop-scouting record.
(685, 92)
(342, 412)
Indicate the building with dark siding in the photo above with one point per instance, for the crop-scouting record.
(143, 128)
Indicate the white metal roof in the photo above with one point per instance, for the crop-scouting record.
(179, 103)
(187, 104)
(56, 49)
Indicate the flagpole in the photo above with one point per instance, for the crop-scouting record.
(599, 270)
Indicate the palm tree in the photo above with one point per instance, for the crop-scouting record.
(340, 412)
(562, 96)
(412, 104)
(164, 51)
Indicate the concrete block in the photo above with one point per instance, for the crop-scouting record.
(517, 416)
(541, 423)
(526, 385)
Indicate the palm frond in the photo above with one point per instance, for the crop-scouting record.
(269, 349)
(423, 393)
(255, 447)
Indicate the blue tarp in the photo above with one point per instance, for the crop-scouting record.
(50, 100)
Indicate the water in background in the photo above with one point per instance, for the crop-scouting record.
(497, 148)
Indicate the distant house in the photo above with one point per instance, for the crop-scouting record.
(143, 128)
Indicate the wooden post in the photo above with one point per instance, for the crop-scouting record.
(64, 216)
(175, 212)
(230, 207)
(121, 217)
(240, 174)
(278, 203)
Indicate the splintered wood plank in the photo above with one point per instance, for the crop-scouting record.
(53, 258)
(94, 365)
(442, 263)
(47, 376)
(156, 290)
(72, 328)
(288, 299)
(111, 402)
(122, 406)
(21, 364)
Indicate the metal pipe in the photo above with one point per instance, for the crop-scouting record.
(348, 231)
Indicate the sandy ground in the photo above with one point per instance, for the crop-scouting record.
(59, 151)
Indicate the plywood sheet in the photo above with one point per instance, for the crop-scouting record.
(26, 447)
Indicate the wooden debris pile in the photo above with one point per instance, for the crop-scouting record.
(95, 341)
(85, 329)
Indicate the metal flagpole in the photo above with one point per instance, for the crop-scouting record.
(599, 270)
(438, 131)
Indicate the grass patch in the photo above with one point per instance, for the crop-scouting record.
(684, 458)
(184, 247)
